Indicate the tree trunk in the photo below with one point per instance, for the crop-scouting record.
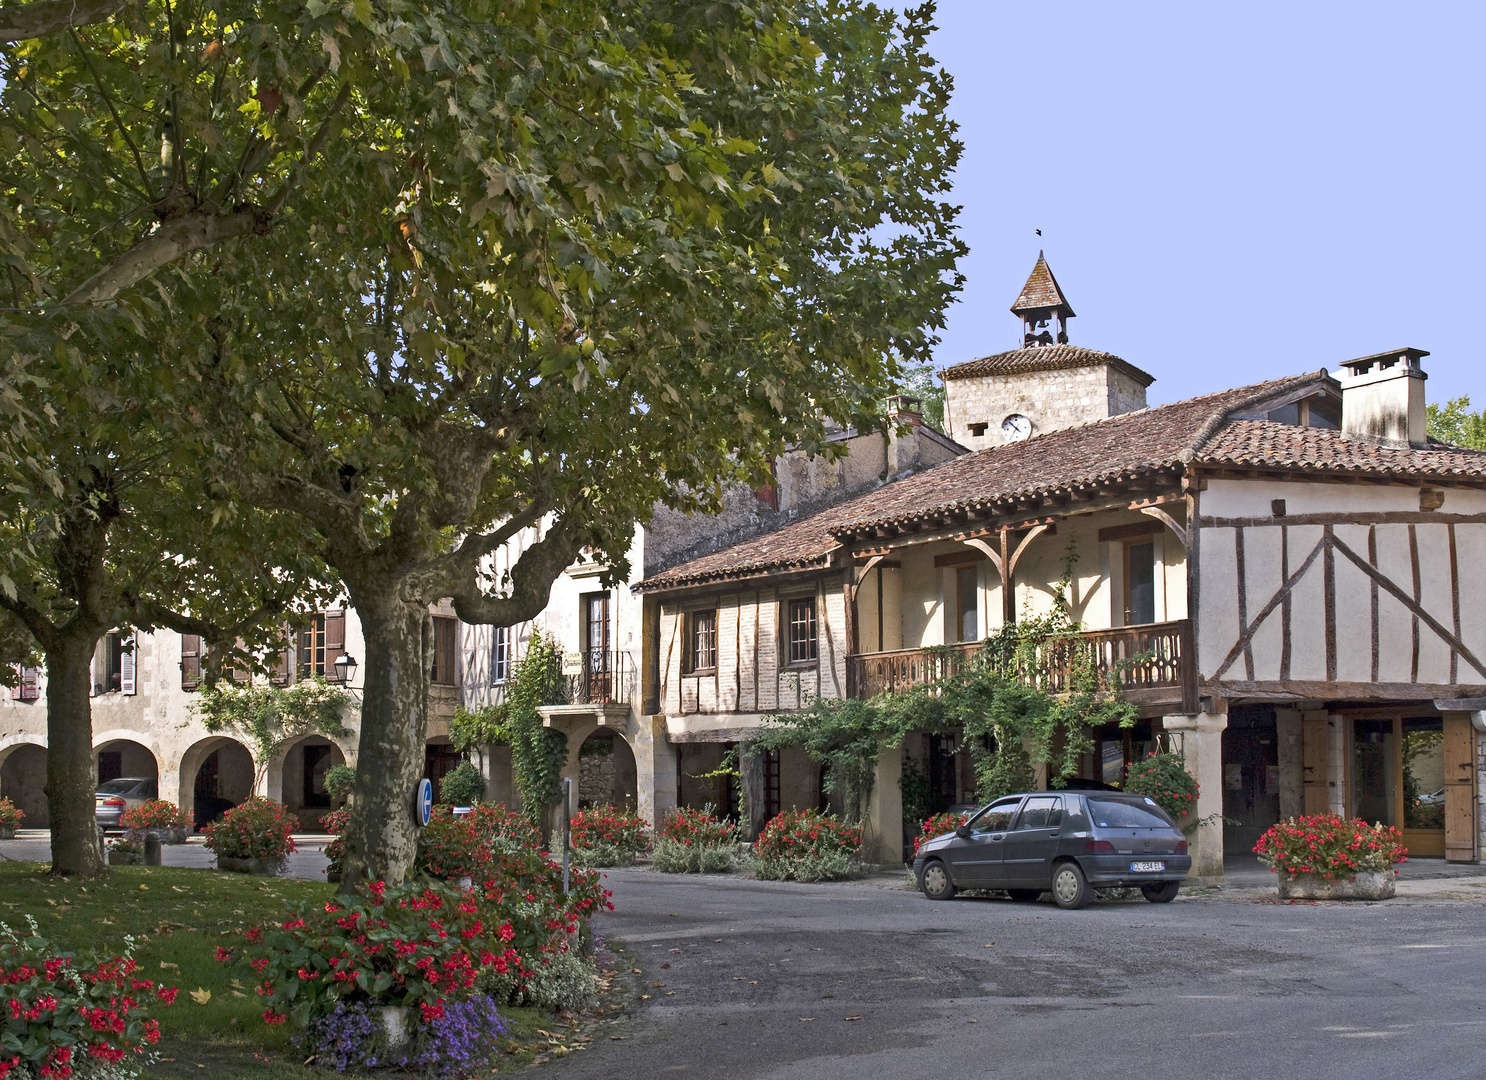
(71, 767)
(382, 837)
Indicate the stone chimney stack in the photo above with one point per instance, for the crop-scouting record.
(1383, 398)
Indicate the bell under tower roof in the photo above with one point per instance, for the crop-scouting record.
(1041, 292)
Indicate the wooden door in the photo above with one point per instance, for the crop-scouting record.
(1315, 747)
(1460, 788)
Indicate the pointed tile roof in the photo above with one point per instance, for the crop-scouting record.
(1041, 291)
(1044, 358)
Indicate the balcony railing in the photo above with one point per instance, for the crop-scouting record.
(1165, 669)
(602, 678)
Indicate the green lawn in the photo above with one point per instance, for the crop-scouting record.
(178, 918)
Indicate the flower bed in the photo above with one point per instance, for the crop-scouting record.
(1164, 777)
(608, 836)
(937, 825)
(353, 1037)
(1330, 847)
(421, 945)
(805, 845)
(64, 1015)
(163, 818)
(258, 829)
(694, 842)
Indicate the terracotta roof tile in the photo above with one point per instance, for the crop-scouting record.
(1041, 290)
(1134, 444)
(1043, 358)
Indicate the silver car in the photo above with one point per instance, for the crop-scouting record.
(111, 799)
(1068, 843)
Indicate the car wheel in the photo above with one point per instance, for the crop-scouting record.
(1070, 890)
(937, 885)
(1024, 896)
(1161, 892)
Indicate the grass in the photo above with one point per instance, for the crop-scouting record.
(178, 917)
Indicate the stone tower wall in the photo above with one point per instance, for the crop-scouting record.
(1050, 399)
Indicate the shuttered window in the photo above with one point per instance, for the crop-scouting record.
(312, 648)
(190, 661)
(28, 684)
(500, 655)
(445, 632)
(335, 641)
(113, 664)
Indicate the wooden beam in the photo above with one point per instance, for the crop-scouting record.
(1161, 515)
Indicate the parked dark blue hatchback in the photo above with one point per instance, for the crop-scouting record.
(1066, 842)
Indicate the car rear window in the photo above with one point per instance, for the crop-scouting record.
(118, 787)
(1122, 814)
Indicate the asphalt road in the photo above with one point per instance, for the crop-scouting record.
(858, 980)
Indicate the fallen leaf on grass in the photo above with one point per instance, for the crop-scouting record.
(168, 966)
(146, 888)
(201, 995)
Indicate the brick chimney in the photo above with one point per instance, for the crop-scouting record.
(1383, 399)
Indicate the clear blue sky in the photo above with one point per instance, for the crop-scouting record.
(1226, 193)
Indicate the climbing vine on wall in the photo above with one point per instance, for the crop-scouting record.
(537, 753)
(1029, 696)
(270, 718)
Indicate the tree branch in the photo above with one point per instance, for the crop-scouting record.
(25, 21)
(179, 236)
(531, 579)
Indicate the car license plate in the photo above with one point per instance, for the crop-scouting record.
(1147, 867)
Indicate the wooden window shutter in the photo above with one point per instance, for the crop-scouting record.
(29, 686)
(1460, 788)
(190, 661)
(1315, 740)
(335, 640)
(283, 672)
(126, 666)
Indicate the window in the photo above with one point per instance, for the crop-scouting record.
(995, 818)
(28, 684)
(321, 642)
(1140, 583)
(1041, 812)
(1127, 814)
(967, 602)
(802, 648)
(445, 631)
(978, 430)
(701, 655)
(500, 655)
(769, 764)
(113, 664)
(190, 661)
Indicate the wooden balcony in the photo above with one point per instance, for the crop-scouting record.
(1165, 672)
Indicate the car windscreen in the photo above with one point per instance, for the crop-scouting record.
(118, 787)
(1124, 814)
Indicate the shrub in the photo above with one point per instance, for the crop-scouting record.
(1164, 777)
(126, 845)
(335, 824)
(11, 815)
(938, 825)
(339, 780)
(461, 1042)
(256, 829)
(1330, 846)
(608, 836)
(694, 842)
(462, 785)
(505, 828)
(806, 845)
(421, 944)
(451, 847)
(65, 1015)
(159, 815)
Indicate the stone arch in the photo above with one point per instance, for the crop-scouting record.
(221, 770)
(139, 753)
(607, 773)
(23, 777)
(296, 778)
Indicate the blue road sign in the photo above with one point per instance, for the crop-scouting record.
(423, 802)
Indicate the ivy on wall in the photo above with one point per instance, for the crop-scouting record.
(537, 753)
(270, 718)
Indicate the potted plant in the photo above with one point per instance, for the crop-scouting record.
(125, 852)
(11, 816)
(253, 838)
(1164, 777)
(1326, 857)
(339, 780)
(159, 816)
(462, 786)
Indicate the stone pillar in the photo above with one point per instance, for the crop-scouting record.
(1336, 764)
(882, 828)
(1292, 763)
(1202, 748)
(656, 767)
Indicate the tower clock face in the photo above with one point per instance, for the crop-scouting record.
(1016, 427)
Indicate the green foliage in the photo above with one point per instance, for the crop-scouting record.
(1164, 777)
(922, 383)
(272, 717)
(805, 845)
(462, 785)
(472, 730)
(258, 828)
(914, 787)
(1455, 423)
(1030, 695)
(695, 842)
(339, 780)
(537, 753)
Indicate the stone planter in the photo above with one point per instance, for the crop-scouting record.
(1365, 885)
(167, 836)
(7, 832)
(256, 867)
(394, 1020)
(125, 858)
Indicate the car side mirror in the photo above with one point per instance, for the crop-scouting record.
(963, 832)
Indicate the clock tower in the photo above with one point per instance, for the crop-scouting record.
(1045, 385)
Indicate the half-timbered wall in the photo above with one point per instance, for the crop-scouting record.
(751, 676)
(1336, 590)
